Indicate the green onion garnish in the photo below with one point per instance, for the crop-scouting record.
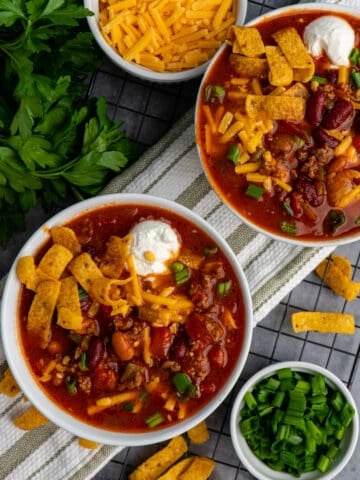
(354, 56)
(297, 429)
(71, 386)
(82, 363)
(223, 288)
(82, 293)
(214, 93)
(287, 207)
(181, 382)
(254, 191)
(334, 219)
(318, 79)
(288, 227)
(355, 77)
(154, 420)
(357, 221)
(181, 272)
(128, 407)
(234, 154)
(208, 251)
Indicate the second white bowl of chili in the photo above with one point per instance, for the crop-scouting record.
(277, 127)
(116, 356)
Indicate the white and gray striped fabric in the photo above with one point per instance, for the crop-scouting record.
(170, 169)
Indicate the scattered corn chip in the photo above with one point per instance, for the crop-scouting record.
(199, 433)
(323, 322)
(83, 442)
(199, 469)
(8, 385)
(158, 463)
(174, 472)
(336, 273)
(30, 419)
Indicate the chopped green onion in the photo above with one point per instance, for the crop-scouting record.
(71, 386)
(355, 77)
(182, 277)
(288, 227)
(234, 154)
(250, 400)
(223, 288)
(347, 414)
(332, 451)
(323, 463)
(177, 267)
(82, 363)
(181, 382)
(354, 56)
(272, 384)
(249, 426)
(208, 251)
(284, 373)
(154, 420)
(303, 386)
(82, 293)
(334, 219)
(142, 395)
(299, 142)
(337, 401)
(214, 93)
(319, 80)
(254, 191)
(287, 207)
(296, 429)
(318, 384)
(357, 221)
(181, 272)
(128, 407)
(278, 399)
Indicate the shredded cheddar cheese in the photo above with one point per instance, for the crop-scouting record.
(164, 35)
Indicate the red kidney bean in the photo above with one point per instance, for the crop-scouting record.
(316, 107)
(308, 191)
(95, 353)
(321, 137)
(341, 111)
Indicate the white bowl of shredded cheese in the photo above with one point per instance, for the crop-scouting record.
(163, 41)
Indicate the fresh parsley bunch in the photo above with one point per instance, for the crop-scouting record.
(54, 141)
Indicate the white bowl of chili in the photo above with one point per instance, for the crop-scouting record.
(281, 147)
(108, 354)
(153, 47)
(308, 419)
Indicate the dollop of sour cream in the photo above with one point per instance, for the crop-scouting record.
(331, 34)
(154, 245)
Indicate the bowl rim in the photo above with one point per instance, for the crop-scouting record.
(21, 371)
(245, 454)
(296, 241)
(143, 72)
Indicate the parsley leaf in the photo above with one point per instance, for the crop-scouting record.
(55, 143)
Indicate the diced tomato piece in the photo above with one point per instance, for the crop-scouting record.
(356, 142)
(161, 341)
(105, 379)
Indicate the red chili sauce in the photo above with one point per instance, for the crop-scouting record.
(201, 351)
(305, 149)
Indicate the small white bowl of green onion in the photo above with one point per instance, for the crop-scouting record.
(294, 420)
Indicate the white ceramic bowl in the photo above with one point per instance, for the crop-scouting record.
(11, 335)
(138, 70)
(257, 467)
(295, 10)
